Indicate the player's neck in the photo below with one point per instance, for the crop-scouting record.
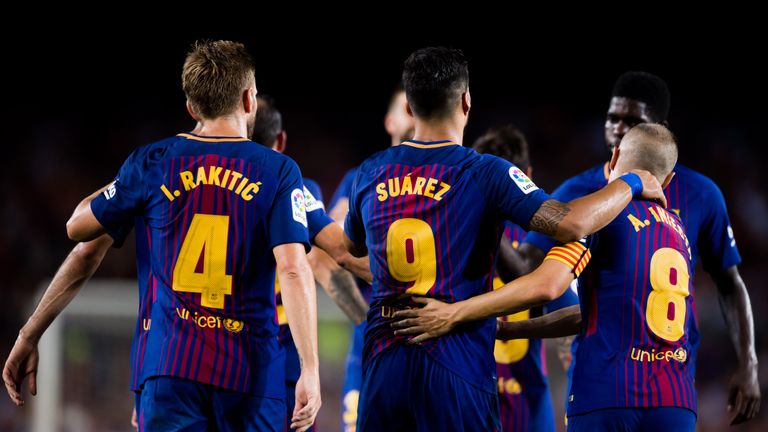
(225, 126)
(438, 131)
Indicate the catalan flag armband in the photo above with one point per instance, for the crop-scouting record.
(575, 255)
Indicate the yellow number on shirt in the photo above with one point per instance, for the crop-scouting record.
(207, 236)
(513, 350)
(350, 410)
(282, 318)
(411, 255)
(666, 309)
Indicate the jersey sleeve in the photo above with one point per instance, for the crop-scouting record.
(515, 196)
(575, 255)
(353, 224)
(117, 206)
(288, 216)
(317, 218)
(344, 189)
(717, 245)
(568, 191)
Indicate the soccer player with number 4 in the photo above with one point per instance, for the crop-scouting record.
(430, 214)
(223, 214)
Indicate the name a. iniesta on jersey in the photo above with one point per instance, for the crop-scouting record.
(215, 176)
(424, 186)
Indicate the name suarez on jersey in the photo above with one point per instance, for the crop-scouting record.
(215, 176)
(424, 186)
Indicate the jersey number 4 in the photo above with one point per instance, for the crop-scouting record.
(206, 243)
(666, 310)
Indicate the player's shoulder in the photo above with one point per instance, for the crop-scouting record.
(585, 182)
(313, 188)
(694, 179)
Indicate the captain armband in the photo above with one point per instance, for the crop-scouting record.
(575, 255)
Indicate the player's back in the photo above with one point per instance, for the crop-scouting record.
(432, 225)
(638, 342)
(215, 208)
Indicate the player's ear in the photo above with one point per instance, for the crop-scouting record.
(667, 180)
(191, 111)
(614, 158)
(281, 142)
(407, 109)
(466, 102)
(249, 100)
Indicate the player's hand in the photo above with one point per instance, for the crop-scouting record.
(134, 419)
(744, 395)
(434, 319)
(22, 361)
(652, 189)
(307, 400)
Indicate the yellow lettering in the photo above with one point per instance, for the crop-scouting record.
(225, 178)
(444, 187)
(235, 177)
(394, 187)
(633, 356)
(250, 190)
(187, 180)
(382, 191)
(407, 188)
(430, 190)
(147, 323)
(166, 192)
(644, 354)
(653, 212)
(213, 175)
(635, 222)
(201, 177)
(242, 184)
(212, 322)
(419, 188)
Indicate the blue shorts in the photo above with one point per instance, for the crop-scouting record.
(353, 379)
(660, 419)
(170, 404)
(405, 389)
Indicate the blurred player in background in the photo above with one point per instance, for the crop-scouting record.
(337, 282)
(523, 387)
(212, 357)
(430, 197)
(399, 126)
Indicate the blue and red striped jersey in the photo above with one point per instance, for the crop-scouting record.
(638, 341)
(317, 219)
(695, 198)
(523, 386)
(214, 209)
(431, 215)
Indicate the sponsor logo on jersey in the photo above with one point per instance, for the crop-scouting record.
(521, 180)
(299, 207)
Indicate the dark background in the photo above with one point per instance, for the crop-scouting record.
(77, 99)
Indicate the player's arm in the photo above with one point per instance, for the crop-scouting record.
(339, 284)
(331, 239)
(576, 219)
(744, 392)
(83, 226)
(76, 269)
(560, 323)
(545, 284)
(299, 299)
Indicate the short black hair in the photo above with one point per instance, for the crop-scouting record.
(434, 79)
(647, 88)
(506, 142)
(269, 121)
